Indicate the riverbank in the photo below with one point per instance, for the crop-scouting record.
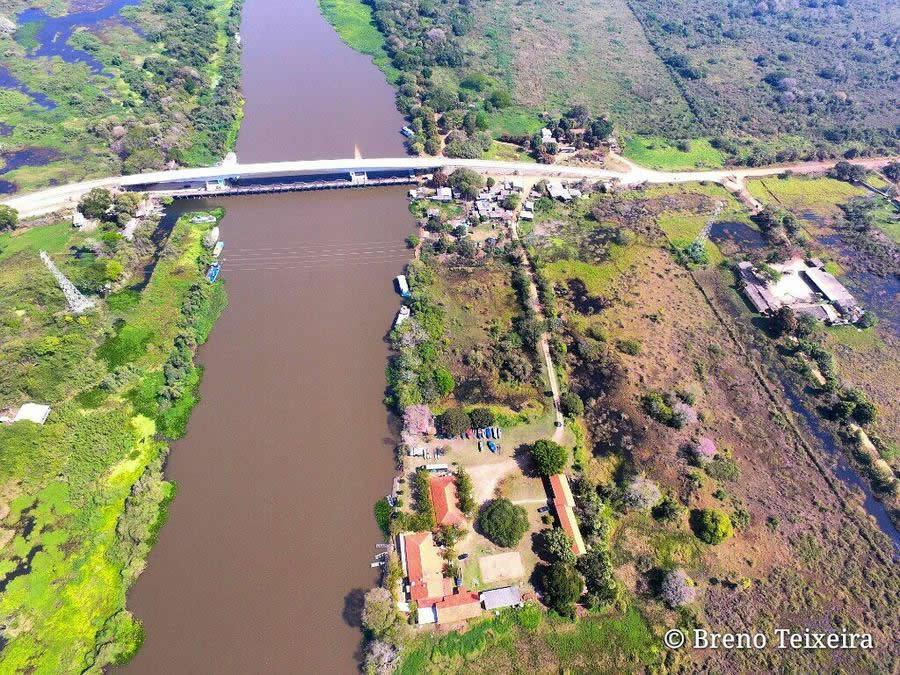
(83, 496)
(121, 89)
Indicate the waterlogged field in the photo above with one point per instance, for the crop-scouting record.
(82, 496)
(165, 89)
(352, 19)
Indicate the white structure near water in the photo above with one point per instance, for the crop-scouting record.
(74, 299)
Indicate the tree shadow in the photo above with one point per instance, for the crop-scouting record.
(353, 606)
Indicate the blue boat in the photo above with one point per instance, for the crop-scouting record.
(213, 273)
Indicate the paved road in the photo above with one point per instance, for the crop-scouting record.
(66, 196)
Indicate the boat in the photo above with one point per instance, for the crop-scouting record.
(402, 315)
(379, 563)
(217, 249)
(406, 131)
(213, 273)
(402, 286)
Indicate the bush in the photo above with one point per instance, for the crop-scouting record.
(503, 522)
(8, 217)
(464, 492)
(549, 457)
(95, 203)
(571, 404)
(678, 589)
(597, 568)
(558, 545)
(453, 422)
(562, 587)
(642, 493)
(669, 509)
(482, 417)
(631, 347)
(711, 525)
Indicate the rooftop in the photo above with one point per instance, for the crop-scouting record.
(508, 596)
(33, 412)
(443, 496)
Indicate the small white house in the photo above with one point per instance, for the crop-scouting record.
(33, 412)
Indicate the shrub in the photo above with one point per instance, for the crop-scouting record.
(597, 568)
(482, 417)
(453, 422)
(628, 346)
(867, 320)
(702, 451)
(678, 589)
(669, 509)
(558, 545)
(711, 525)
(562, 586)
(8, 217)
(549, 457)
(503, 522)
(464, 492)
(412, 241)
(571, 404)
(642, 493)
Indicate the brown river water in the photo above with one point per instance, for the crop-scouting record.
(268, 544)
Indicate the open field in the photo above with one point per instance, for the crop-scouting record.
(552, 57)
(683, 345)
(658, 153)
(761, 73)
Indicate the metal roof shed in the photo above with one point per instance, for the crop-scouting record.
(508, 596)
(33, 412)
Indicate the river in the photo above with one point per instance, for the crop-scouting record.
(269, 541)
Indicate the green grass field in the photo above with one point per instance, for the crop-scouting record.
(658, 153)
(798, 193)
(507, 153)
(597, 278)
(515, 121)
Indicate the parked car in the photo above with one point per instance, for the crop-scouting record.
(488, 433)
(480, 446)
(462, 556)
(492, 446)
(543, 509)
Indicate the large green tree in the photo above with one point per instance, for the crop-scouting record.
(95, 203)
(453, 422)
(8, 217)
(549, 457)
(467, 182)
(563, 586)
(503, 522)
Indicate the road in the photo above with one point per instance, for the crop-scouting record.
(66, 196)
(544, 344)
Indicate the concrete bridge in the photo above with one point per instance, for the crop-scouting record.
(170, 182)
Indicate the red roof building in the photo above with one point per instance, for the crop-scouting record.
(454, 608)
(563, 503)
(443, 496)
